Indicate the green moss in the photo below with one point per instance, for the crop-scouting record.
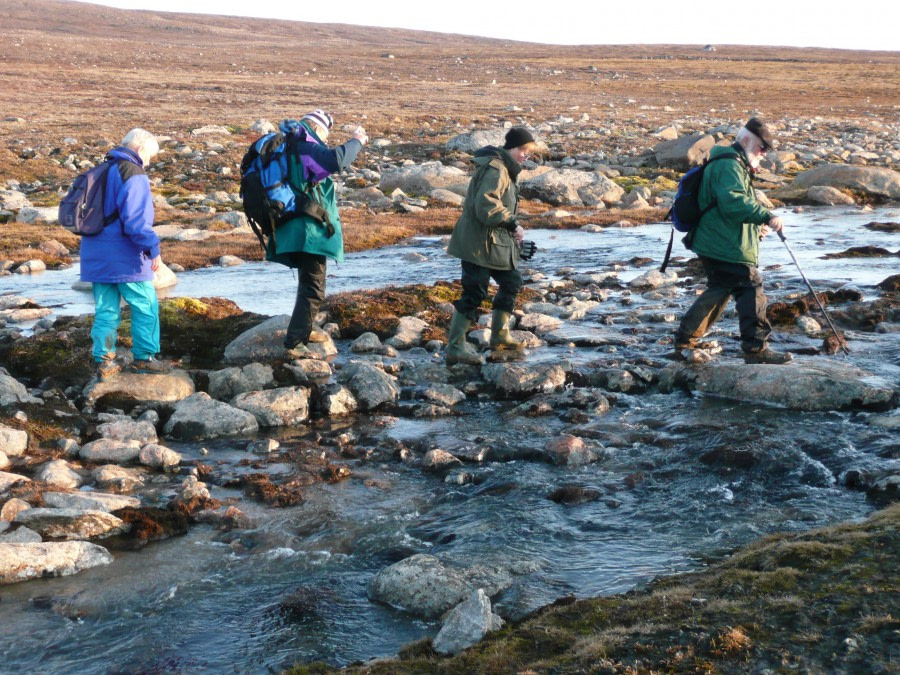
(63, 354)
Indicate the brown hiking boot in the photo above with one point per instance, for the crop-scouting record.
(107, 368)
(148, 367)
(768, 356)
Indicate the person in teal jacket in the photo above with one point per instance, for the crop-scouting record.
(727, 242)
(305, 242)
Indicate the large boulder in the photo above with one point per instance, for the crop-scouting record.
(200, 417)
(869, 180)
(58, 473)
(124, 428)
(467, 624)
(225, 384)
(265, 342)
(21, 562)
(424, 586)
(409, 333)
(800, 385)
(421, 179)
(685, 152)
(71, 524)
(334, 400)
(284, 406)
(571, 187)
(371, 386)
(134, 388)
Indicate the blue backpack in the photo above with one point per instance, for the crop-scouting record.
(81, 210)
(686, 213)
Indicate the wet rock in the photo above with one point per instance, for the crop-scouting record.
(573, 495)
(574, 310)
(440, 460)
(424, 586)
(110, 450)
(334, 400)
(309, 372)
(71, 524)
(466, 624)
(122, 428)
(191, 488)
(521, 380)
(409, 333)
(539, 323)
(654, 279)
(263, 446)
(442, 394)
(131, 388)
(885, 488)
(366, 343)
(730, 455)
(58, 473)
(225, 384)
(261, 488)
(21, 562)
(158, 456)
(13, 442)
(371, 387)
(200, 417)
(891, 284)
(96, 501)
(569, 450)
(823, 385)
(13, 391)
(118, 479)
(147, 524)
(284, 406)
(586, 336)
(871, 181)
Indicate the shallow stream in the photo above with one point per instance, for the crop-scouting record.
(198, 603)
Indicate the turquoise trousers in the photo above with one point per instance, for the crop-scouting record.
(141, 298)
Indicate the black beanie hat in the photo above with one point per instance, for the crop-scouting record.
(517, 137)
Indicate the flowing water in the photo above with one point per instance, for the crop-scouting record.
(203, 603)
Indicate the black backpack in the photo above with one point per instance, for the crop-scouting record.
(686, 213)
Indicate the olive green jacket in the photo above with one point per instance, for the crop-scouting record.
(729, 230)
(480, 236)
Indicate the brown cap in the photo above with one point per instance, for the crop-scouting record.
(759, 129)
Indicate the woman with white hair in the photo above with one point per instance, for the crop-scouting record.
(120, 260)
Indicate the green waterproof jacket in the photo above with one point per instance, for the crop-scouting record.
(305, 234)
(483, 235)
(729, 230)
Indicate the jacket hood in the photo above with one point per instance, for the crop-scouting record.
(489, 152)
(126, 154)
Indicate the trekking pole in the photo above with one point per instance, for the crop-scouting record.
(809, 285)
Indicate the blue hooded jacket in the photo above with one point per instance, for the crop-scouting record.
(122, 251)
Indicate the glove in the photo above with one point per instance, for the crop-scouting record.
(511, 224)
(527, 250)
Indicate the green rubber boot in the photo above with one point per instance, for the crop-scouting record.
(456, 343)
(500, 337)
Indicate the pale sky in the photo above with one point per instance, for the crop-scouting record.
(858, 24)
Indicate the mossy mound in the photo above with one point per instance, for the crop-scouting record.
(201, 328)
(821, 601)
(45, 425)
(862, 252)
(62, 354)
(379, 311)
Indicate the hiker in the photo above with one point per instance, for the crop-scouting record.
(120, 260)
(304, 242)
(486, 238)
(727, 242)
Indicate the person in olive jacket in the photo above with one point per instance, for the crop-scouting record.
(727, 242)
(486, 239)
(305, 242)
